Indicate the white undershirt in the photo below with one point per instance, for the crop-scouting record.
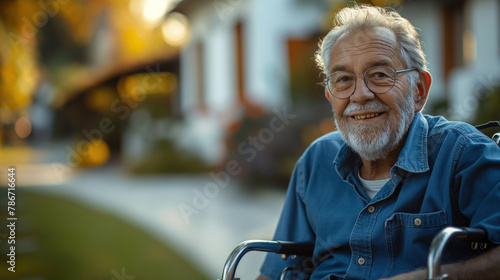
(372, 186)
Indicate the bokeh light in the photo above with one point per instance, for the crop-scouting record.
(100, 99)
(23, 127)
(151, 11)
(136, 86)
(98, 153)
(175, 30)
(154, 10)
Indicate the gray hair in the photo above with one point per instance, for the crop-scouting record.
(367, 17)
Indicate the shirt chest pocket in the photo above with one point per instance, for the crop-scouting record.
(408, 237)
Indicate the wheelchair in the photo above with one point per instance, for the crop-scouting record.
(294, 249)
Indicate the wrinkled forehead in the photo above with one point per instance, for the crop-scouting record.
(361, 42)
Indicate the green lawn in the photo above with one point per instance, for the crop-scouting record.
(69, 240)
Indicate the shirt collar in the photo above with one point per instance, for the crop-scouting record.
(412, 158)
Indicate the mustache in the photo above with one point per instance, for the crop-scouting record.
(374, 105)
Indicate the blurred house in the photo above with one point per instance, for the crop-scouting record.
(249, 52)
(176, 85)
(462, 43)
(239, 63)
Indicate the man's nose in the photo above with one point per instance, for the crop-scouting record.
(361, 93)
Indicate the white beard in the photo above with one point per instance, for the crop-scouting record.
(374, 142)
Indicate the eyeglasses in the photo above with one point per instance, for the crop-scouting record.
(379, 79)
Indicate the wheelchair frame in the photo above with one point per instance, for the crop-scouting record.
(293, 249)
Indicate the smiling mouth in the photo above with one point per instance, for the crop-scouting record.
(366, 116)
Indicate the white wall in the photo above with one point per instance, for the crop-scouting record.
(485, 26)
(269, 25)
(469, 84)
(427, 18)
(187, 76)
(264, 54)
(203, 131)
(220, 66)
(266, 27)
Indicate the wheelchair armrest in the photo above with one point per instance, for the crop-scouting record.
(496, 138)
(279, 247)
(439, 242)
(296, 248)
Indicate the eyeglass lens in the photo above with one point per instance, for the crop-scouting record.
(379, 79)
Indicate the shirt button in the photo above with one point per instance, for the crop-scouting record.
(417, 222)
(371, 209)
(361, 261)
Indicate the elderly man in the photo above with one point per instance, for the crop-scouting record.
(372, 195)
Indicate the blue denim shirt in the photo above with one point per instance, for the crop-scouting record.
(447, 173)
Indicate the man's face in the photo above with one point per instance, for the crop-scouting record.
(372, 124)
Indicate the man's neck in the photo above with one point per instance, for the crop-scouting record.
(380, 168)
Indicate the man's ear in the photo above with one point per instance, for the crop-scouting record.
(423, 87)
(328, 95)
